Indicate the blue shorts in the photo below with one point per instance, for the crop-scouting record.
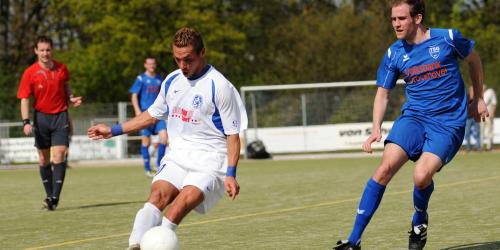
(417, 135)
(154, 129)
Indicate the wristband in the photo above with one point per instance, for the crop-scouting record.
(116, 130)
(26, 122)
(231, 171)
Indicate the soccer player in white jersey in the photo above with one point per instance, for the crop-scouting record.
(203, 113)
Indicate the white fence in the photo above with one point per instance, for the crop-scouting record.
(320, 138)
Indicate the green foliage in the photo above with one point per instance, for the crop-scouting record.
(252, 42)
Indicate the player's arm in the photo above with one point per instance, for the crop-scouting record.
(134, 98)
(379, 108)
(102, 131)
(75, 100)
(25, 115)
(23, 93)
(233, 155)
(476, 74)
(231, 120)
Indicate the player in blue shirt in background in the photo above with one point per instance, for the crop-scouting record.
(144, 91)
(431, 127)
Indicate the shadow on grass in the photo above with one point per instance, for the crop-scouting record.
(476, 246)
(100, 205)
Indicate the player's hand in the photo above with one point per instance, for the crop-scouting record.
(375, 137)
(28, 129)
(232, 187)
(75, 100)
(479, 109)
(99, 131)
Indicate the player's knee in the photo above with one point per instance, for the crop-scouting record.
(44, 159)
(383, 174)
(422, 179)
(177, 211)
(157, 199)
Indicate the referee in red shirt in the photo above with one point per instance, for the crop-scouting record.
(47, 81)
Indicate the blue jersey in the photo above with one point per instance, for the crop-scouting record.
(147, 88)
(434, 85)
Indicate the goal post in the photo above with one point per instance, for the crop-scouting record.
(293, 118)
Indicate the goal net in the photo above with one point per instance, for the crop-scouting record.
(315, 117)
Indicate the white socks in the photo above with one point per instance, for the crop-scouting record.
(165, 222)
(147, 217)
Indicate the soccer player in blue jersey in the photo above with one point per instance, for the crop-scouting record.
(144, 92)
(431, 127)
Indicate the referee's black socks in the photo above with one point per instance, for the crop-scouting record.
(58, 179)
(46, 175)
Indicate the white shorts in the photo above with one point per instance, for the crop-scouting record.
(202, 169)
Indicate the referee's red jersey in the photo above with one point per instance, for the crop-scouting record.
(47, 87)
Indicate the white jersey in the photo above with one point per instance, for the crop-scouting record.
(200, 112)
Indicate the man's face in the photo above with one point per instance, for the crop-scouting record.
(44, 52)
(188, 61)
(150, 65)
(404, 25)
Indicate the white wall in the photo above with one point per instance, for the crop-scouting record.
(324, 137)
(277, 140)
(81, 148)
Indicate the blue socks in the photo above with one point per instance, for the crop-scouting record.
(367, 206)
(145, 155)
(421, 199)
(161, 152)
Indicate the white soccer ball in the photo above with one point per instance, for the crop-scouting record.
(159, 238)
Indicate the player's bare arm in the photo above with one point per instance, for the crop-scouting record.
(233, 155)
(135, 103)
(75, 100)
(102, 131)
(379, 107)
(476, 74)
(25, 114)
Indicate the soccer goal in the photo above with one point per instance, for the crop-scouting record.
(315, 117)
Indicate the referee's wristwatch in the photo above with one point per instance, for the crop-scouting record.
(26, 122)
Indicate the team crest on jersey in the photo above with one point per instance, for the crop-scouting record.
(434, 51)
(197, 101)
(236, 124)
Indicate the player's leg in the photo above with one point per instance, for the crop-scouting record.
(488, 123)
(66, 154)
(42, 143)
(60, 142)
(201, 191)
(401, 145)
(145, 142)
(481, 134)
(166, 185)
(162, 146)
(477, 135)
(393, 159)
(425, 168)
(162, 194)
(441, 145)
(189, 198)
(59, 171)
(46, 176)
(468, 134)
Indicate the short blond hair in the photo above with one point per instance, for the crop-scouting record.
(188, 36)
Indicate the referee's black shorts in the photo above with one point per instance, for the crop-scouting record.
(51, 130)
